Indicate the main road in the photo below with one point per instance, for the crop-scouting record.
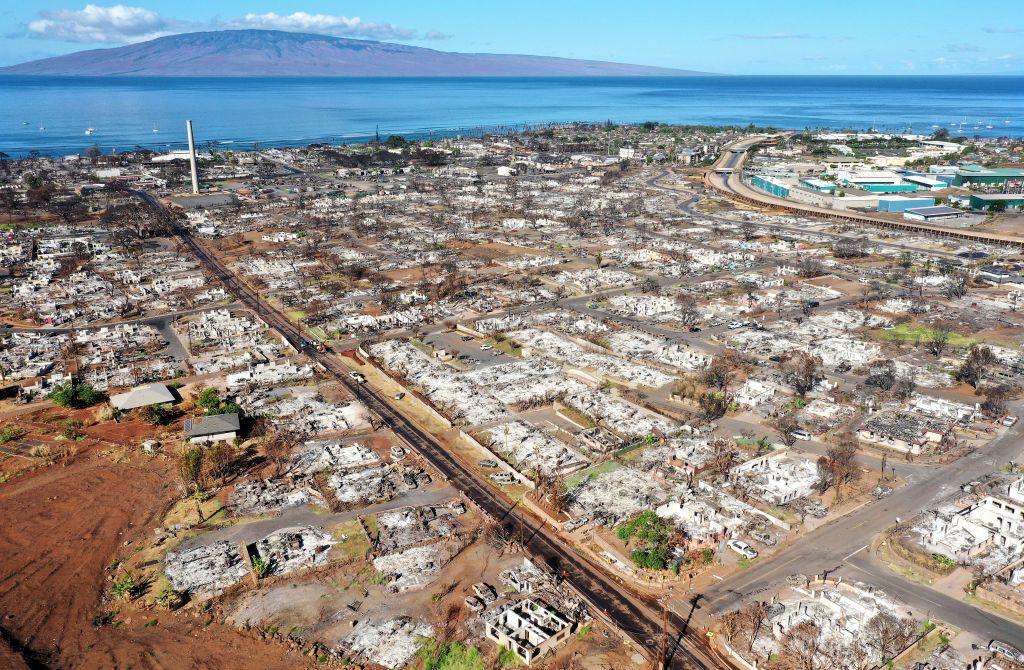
(635, 615)
(726, 177)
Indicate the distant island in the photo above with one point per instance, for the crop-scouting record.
(252, 53)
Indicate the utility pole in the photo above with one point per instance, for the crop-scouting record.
(664, 634)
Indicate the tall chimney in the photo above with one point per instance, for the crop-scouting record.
(192, 157)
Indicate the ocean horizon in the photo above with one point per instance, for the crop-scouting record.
(51, 114)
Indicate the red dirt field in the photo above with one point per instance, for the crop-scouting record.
(61, 527)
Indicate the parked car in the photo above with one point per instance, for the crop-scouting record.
(733, 325)
(742, 548)
(502, 478)
(399, 395)
(488, 463)
(1006, 649)
(357, 377)
(801, 434)
(466, 338)
(485, 347)
(474, 603)
(1009, 421)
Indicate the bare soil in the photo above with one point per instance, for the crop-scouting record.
(62, 526)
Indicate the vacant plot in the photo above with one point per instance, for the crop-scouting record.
(917, 332)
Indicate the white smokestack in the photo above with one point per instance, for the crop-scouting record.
(192, 157)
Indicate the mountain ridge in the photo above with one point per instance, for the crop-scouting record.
(249, 53)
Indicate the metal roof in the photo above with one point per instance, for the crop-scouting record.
(938, 210)
(212, 424)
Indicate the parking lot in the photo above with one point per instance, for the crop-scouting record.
(469, 351)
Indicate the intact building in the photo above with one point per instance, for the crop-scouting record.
(771, 185)
(939, 213)
(983, 201)
(976, 174)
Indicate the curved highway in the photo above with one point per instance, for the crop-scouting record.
(726, 177)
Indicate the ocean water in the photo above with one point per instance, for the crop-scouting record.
(51, 114)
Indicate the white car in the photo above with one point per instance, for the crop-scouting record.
(801, 434)
(485, 347)
(1009, 421)
(357, 377)
(733, 325)
(742, 548)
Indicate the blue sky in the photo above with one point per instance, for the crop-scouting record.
(736, 37)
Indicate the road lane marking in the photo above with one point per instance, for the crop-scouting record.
(851, 555)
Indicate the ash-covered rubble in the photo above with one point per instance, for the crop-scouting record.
(268, 496)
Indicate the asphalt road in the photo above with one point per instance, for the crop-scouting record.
(841, 547)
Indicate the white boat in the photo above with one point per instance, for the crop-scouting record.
(90, 131)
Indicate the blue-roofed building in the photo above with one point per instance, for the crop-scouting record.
(901, 204)
(770, 185)
(816, 184)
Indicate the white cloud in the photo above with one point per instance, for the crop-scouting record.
(324, 24)
(97, 24)
(119, 24)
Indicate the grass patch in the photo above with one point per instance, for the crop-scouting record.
(576, 416)
(505, 346)
(422, 346)
(318, 333)
(917, 332)
(295, 314)
(577, 478)
(355, 544)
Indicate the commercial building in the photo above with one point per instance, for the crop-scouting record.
(925, 182)
(976, 174)
(901, 204)
(889, 188)
(938, 213)
(816, 184)
(771, 185)
(982, 201)
(864, 179)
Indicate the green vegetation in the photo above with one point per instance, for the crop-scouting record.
(209, 401)
(583, 632)
(509, 659)
(75, 394)
(586, 474)
(576, 416)
(157, 415)
(944, 563)
(9, 434)
(449, 656)
(124, 588)
(652, 534)
(260, 567)
(915, 332)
